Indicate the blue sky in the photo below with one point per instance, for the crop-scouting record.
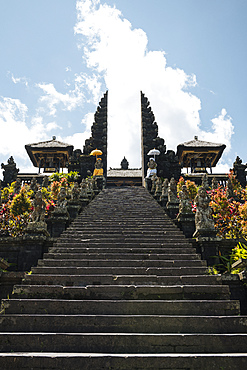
(58, 57)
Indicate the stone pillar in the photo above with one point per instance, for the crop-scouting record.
(59, 221)
(33, 245)
(185, 218)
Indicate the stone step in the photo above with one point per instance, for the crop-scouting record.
(86, 243)
(159, 271)
(123, 292)
(135, 254)
(121, 307)
(109, 231)
(123, 342)
(82, 254)
(122, 323)
(123, 238)
(113, 263)
(118, 361)
(84, 280)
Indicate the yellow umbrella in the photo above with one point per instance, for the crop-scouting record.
(96, 152)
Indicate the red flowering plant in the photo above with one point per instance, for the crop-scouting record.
(226, 214)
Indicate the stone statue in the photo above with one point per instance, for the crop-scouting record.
(164, 192)
(39, 208)
(229, 189)
(158, 188)
(152, 168)
(62, 198)
(165, 188)
(34, 186)
(214, 184)
(17, 186)
(154, 179)
(203, 218)
(184, 201)
(98, 171)
(205, 181)
(83, 189)
(75, 194)
(10, 171)
(172, 191)
(45, 182)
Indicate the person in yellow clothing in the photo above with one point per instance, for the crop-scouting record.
(98, 171)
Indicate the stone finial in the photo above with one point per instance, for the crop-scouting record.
(124, 164)
(203, 218)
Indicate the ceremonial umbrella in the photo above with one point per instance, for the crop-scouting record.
(154, 152)
(96, 152)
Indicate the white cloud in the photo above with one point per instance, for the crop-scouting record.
(16, 80)
(222, 130)
(69, 101)
(16, 133)
(120, 54)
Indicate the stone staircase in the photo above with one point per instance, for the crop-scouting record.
(122, 289)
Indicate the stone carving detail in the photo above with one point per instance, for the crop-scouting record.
(184, 201)
(203, 218)
(98, 137)
(10, 171)
(167, 162)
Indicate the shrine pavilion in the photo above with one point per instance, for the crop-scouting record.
(199, 155)
(51, 155)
